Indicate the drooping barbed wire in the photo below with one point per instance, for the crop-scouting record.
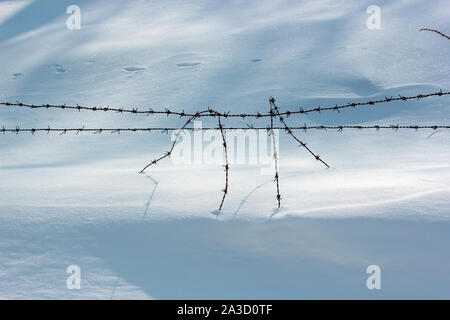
(215, 113)
(275, 155)
(435, 31)
(274, 112)
(274, 107)
(227, 164)
(168, 153)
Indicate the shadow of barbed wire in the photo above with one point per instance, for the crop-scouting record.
(147, 206)
(149, 201)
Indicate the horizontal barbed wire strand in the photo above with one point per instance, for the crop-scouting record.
(214, 113)
(164, 129)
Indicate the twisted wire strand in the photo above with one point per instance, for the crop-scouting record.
(289, 131)
(62, 131)
(227, 164)
(435, 31)
(215, 113)
(168, 153)
(275, 154)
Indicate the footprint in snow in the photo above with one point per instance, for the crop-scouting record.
(134, 69)
(188, 64)
(17, 75)
(57, 68)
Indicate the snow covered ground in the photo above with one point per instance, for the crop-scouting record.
(78, 199)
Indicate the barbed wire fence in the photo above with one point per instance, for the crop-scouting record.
(435, 31)
(274, 113)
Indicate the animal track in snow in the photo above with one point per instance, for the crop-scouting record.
(188, 64)
(57, 68)
(17, 75)
(134, 69)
